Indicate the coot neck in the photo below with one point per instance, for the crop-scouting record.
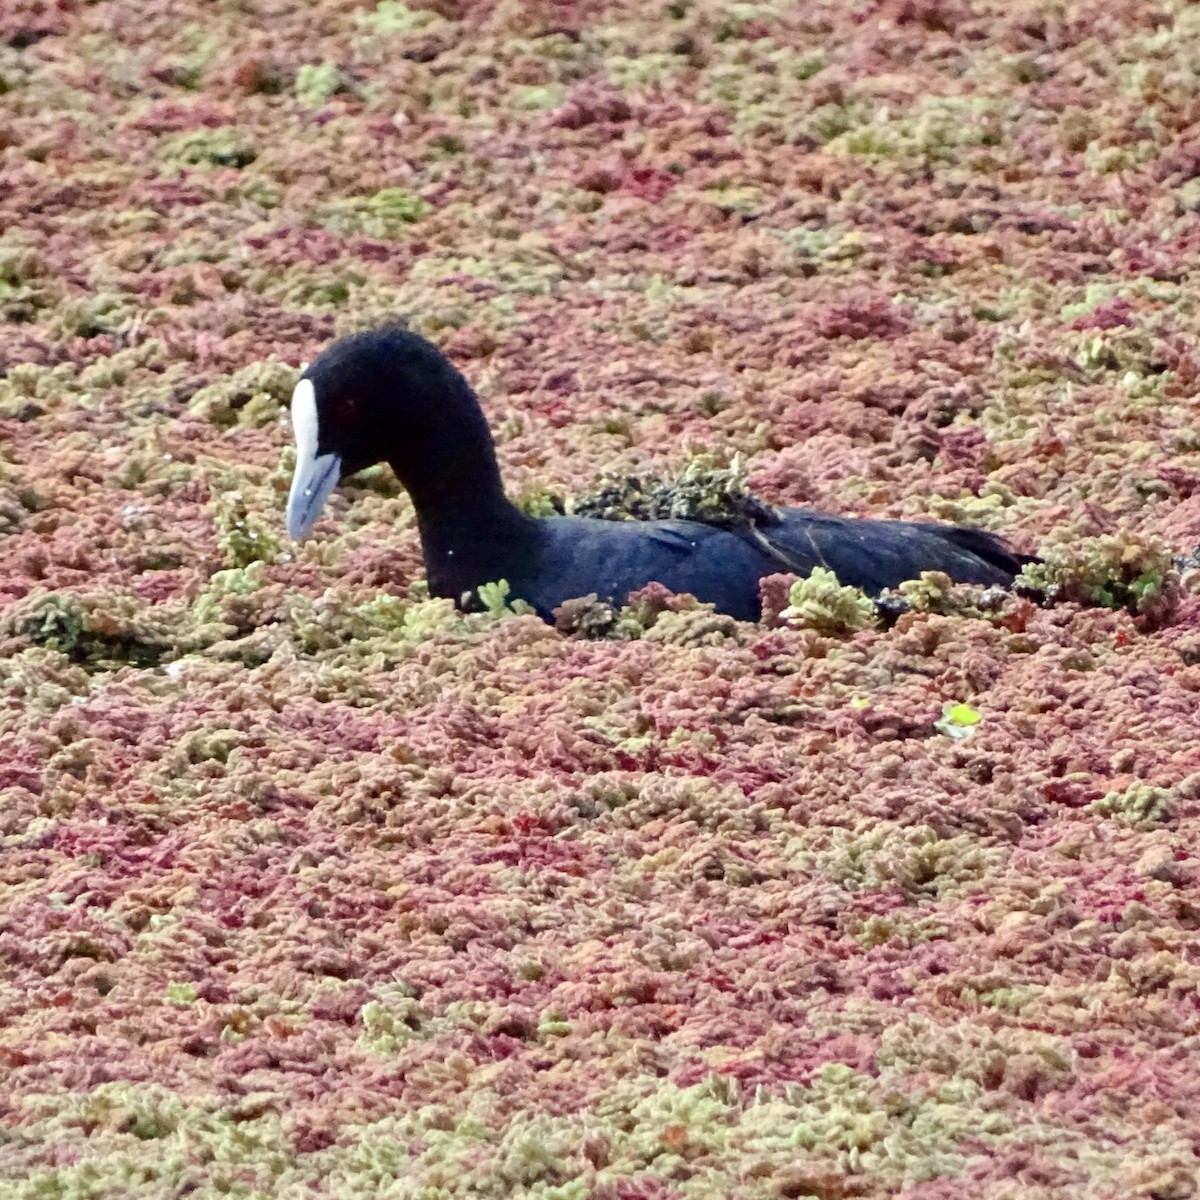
(442, 450)
(471, 533)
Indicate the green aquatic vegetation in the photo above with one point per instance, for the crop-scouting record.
(805, 66)
(236, 581)
(1095, 353)
(1095, 294)
(58, 623)
(652, 613)
(867, 141)
(592, 619)
(661, 292)
(232, 618)
(1187, 196)
(263, 192)
(553, 1023)
(830, 121)
(108, 629)
(188, 69)
(384, 615)
(334, 293)
(918, 860)
(544, 96)
(821, 603)
(223, 146)
(385, 214)
(22, 285)
(387, 625)
(766, 92)
(448, 144)
(1135, 351)
(735, 17)
(425, 618)
(708, 488)
(249, 398)
(181, 993)
(395, 206)
(626, 71)
(391, 17)
(1140, 805)
(735, 198)
(393, 1019)
(494, 599)
(1114, 570)
(540, 503)
(809, 243)
(936, 128)
(379, 480)
(936, 592)
(1109, 160)
(693, 626)
(366, 803)
(958, 720)
(98, 631)
(929, 593)
(323, 290)
(991, 509)
(43, 679)
(243, 538)
(318, 82)
(103, 312)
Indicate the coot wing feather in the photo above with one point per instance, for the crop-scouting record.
(875, 555)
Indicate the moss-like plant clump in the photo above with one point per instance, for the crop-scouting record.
(821, 603)
(493, 598)
(936, 592)
(390, 17)
(386, 213)
(317, 82)
(1140, 805)
(652, 612)
(221, 147)
(707, 489)
(1114, 570)
(248, 397)
(97, 631)
(243, 538)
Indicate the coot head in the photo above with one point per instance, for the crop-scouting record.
(386, 395)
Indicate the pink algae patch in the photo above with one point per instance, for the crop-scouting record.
(306, 879)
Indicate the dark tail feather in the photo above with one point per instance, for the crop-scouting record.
(876, 555)
(987, 546)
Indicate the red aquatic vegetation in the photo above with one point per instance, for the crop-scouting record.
(290, 849)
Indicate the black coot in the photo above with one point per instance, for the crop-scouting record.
(391, 396)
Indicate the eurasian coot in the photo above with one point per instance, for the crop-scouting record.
(391, 396)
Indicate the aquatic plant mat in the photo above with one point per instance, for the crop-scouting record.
(310, 887)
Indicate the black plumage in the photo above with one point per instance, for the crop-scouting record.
(391, 396)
